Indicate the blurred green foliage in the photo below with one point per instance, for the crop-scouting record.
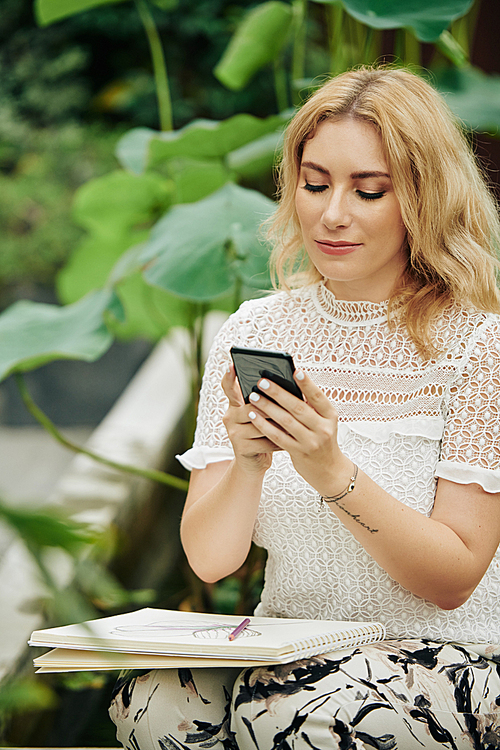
(38, 177)
(67, 93)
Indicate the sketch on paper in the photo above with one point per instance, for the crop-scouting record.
(187, 627)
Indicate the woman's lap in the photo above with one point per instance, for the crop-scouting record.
(395, 694)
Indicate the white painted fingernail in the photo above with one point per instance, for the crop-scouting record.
(254, 396)
(299, 375)
(252, 414)
(264, 384)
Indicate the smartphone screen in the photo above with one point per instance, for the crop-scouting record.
(253, 364)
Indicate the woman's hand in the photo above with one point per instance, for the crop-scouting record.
(252, 450)
(306, 429)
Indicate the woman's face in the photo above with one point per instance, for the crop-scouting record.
(350, 217)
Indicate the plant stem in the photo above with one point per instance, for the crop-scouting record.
(412, 49)
(299, 47)
(280, 84)
(399, 45)
(237, 297)
(43, 419)
(335, 34)
(463, 29)
(159, 66)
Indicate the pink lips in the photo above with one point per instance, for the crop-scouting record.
(337, 248)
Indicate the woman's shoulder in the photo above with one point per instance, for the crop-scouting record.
(275, 303)
(264, 321)
(467, 328)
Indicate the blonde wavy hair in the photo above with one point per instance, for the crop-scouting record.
(451, 218)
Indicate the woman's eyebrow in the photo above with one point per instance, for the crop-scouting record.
(316, 167)
(366, 175)
(363, 175)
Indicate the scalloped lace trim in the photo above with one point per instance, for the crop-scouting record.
(200, 456)
(380, 432)
(489, 479)
(347, 312)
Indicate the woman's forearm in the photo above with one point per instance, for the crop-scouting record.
(216, 528)
(425, 555)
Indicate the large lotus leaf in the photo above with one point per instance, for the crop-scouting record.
(150, 312)
(48, 11)
(117, 210)
(473, 96)
(198, 250)
(32, 333)
(257, 41)
(208, 139)
(132, 150)
(256, 158)
(427, 18)
(201, 139)
(121, 200)
(252, 263)
(92, 261)
(195, 179)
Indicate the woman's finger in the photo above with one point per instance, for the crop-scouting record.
(314, 395)
(306, 412)
(231, 388)
(272, 431)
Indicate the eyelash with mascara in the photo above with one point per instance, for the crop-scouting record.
(365, 196)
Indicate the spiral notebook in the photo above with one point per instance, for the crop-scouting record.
(159, 638)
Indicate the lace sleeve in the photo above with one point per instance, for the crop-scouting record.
(211, 442)
(470, 450)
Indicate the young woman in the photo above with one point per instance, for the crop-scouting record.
(378, 497)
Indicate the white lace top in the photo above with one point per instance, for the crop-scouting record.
(403, 420)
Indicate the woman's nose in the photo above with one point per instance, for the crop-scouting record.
(337, 213)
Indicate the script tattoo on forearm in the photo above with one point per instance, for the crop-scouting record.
(354, 516)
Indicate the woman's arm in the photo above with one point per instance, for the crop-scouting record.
(441, 558)
(223, 499)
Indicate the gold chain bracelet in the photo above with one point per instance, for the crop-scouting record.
(347, 491)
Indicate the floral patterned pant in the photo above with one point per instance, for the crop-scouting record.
(405, 694)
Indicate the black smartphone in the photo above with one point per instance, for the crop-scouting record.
(253, 364)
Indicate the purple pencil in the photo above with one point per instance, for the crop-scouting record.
(239, 629)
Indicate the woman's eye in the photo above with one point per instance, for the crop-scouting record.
(315, 188)
(370, 196)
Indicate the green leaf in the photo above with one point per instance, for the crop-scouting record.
(48, 11)
(103, 588)
(257, 42)
(199, 250)
(117, 210)
(427, 18)
(204, 139)
(201, 139)
(68, 605)
(120, 200)
(150, 312)
(473, 96)
(91, 263)
(166, 4)
(256, 158)
(32, 333)
(195, 180)
(46, 528)
(132, 150)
